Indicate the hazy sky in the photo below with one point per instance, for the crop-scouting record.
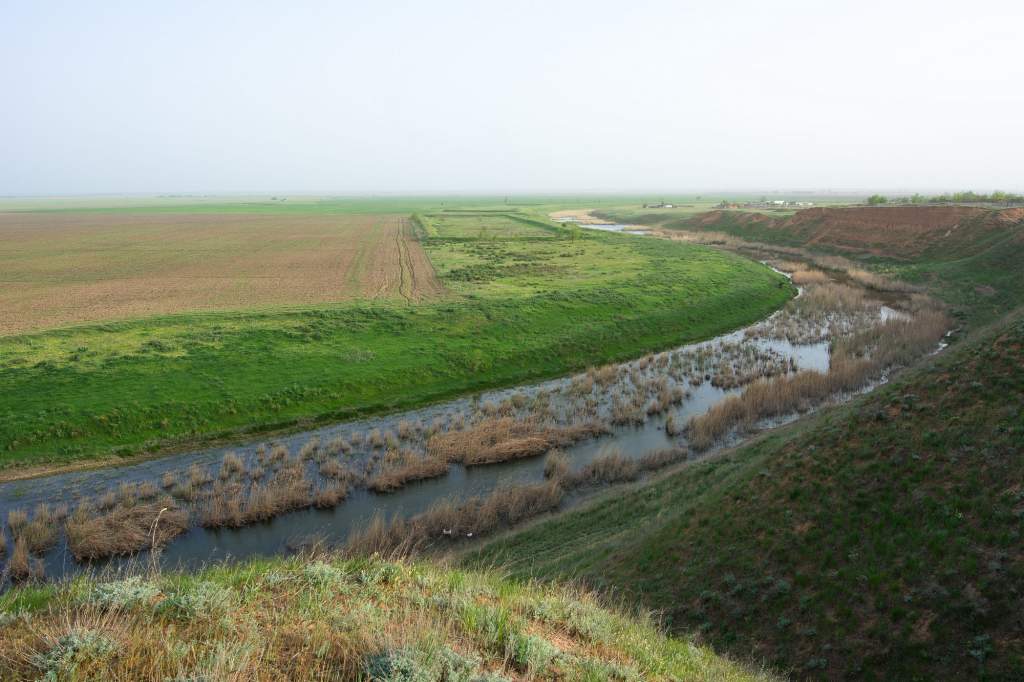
(481, 96)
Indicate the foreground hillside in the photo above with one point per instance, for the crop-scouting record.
(881, 540)
(330, 619)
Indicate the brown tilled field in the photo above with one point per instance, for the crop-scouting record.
(67, 268)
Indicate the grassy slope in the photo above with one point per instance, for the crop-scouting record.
(881, 540)
(524, 306)
(976, 269)
(334, 620)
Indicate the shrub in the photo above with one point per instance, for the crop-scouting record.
(76, 649)
(127, 593)
(195, 600)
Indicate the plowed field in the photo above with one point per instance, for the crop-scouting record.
(68, 268)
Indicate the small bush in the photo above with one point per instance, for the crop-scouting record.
(75, 650)
(127, 593)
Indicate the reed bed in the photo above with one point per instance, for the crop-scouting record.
(448, 521)
(235, 505)
(556, 465)
(400, 467)
(169, 480)
(335, 470)
(609, 467)
(231, 466)
(125, 529)
(803, 277)
(22, 566)
(330, 495)
(856, 360)
(504, 438)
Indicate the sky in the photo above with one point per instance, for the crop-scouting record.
(483, 96)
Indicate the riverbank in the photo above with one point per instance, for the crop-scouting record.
(613, 423)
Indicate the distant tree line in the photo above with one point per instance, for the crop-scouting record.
(996, 197)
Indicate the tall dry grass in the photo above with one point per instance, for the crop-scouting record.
(609, 467)
(125, 529)
(803, 277)
(235, 505)
(400, 467)
(448, 521)
(22, 566)
(504, 438)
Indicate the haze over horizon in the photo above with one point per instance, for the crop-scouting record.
(565, 96)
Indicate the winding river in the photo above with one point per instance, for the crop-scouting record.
(281, 534)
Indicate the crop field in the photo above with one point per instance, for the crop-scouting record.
(364, 313)
(63, 268)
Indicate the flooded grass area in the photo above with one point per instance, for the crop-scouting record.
(467, 467)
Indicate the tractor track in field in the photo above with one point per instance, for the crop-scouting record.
(406, 272)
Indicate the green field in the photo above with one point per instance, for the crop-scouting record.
(528, 300)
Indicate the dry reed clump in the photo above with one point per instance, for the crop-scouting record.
(338, 446)
(278, 455)
(198, 475)
(309, 449)
(147, 490)
(231, 465)
(332, 468)
(447, 521)
(22, 566)
(556, 465)
(610, 467)
(168, 480)
(855, 361)
(375, 439)
(233, 506)
(803, 277)
(658, 459)
(605, 376)
(222, 506)
(16, 520)
(505, 438)
(125, 529)
(400, 467)
(330, 495)
(41, 531)
(407, 430)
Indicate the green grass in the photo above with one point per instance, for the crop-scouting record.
(529, 301)
(880, 540)
(335, 619)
